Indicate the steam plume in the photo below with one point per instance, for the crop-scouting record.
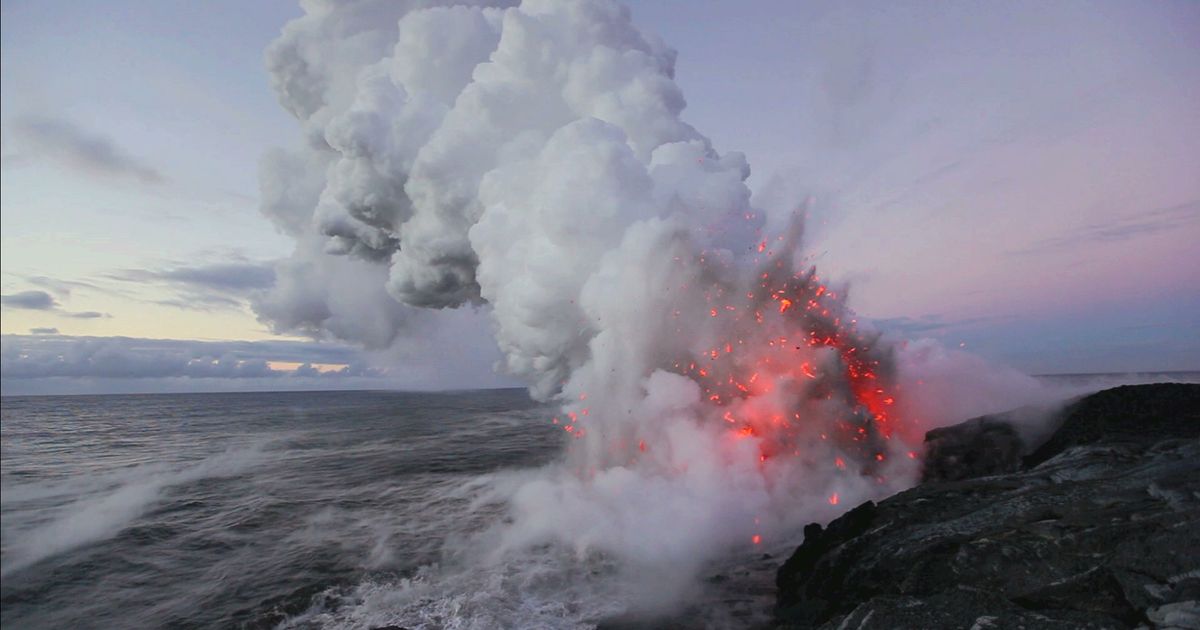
(533, 159)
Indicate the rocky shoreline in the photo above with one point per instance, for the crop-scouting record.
(1091, 522)
(1096, 527)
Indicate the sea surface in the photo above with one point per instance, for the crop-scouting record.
(224, 510)
(286, 510)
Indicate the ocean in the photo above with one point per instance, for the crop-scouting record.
(297, 510)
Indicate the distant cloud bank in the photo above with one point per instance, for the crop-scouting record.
(48, 363)
(41, 356)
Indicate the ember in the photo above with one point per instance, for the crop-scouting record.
(781, 392)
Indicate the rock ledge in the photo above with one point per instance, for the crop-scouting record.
(1098, 527)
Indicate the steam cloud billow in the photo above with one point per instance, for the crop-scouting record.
(533, 159)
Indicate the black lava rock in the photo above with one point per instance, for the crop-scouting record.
(1133, 414)
(1097, 528)
(989, 445)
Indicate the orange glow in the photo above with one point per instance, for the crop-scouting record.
(756, 539)
(803, 363)
(291, 366)
(833, 499)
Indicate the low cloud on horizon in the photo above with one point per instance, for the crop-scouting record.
(45, 362)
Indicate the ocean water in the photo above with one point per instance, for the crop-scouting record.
(297, 510)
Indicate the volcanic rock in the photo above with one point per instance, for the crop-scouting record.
(1099, 527)
(988, 445)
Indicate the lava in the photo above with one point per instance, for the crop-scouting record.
(784, 368)
(780, 360)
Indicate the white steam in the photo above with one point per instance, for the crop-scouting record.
(533, 159)
(111, 502)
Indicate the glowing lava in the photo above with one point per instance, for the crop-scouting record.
(791, 360)
(780, 362)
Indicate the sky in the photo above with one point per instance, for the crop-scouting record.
(1016, 179)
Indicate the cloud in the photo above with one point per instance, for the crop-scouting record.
(64, 142)
(209, 286)
(1128, 227)
(43, 331)
(42, 301)
(87, 315)
(455, 355)
(63, 288)
(36, 357)
(223, 276)
(220, 276)
(30, 300)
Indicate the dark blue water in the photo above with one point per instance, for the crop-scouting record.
(248, 510)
